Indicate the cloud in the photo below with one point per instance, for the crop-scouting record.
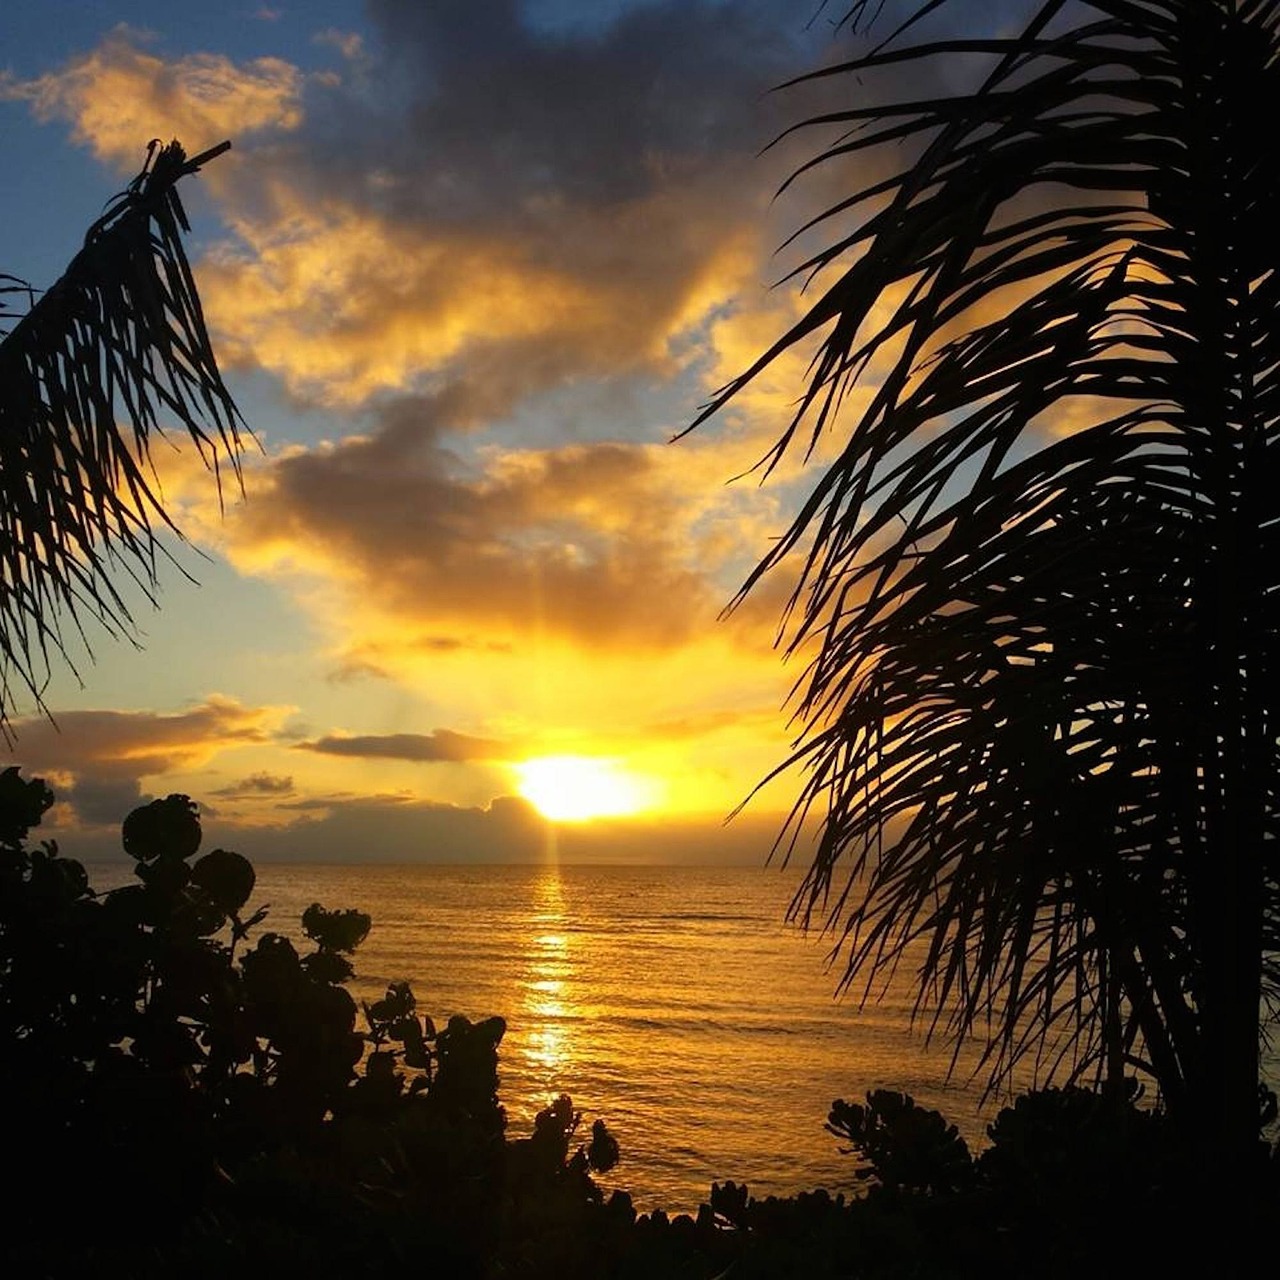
(348, 43)
(120, 95)
(561, 598)
(581, 542)
(470, 216)
(398, 829)
(368, 660)
(146, 742)
(420, 241)
(407, 221)
(258, 784)
(391, 829)
(439, 745)
(103, 800)
(96, 760)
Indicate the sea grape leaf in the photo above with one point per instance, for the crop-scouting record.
(335, 930)
(168, 827)
(226, 877)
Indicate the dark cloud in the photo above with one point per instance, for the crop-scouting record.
(390, 829)
(543, 206)
(104, 801)
(540, 547)
(520, 124)
(439, 745)
(559, 206)
(399, 829)
(258, 784)
(476, 211)
(98, 758)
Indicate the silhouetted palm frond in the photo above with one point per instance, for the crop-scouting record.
(1041, 574)
(113, 351)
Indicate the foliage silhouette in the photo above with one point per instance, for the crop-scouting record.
(1073, 1182)
(121, 333)
(906, 1147)
(155, 1051)
(185, 1095)
(1038, 580)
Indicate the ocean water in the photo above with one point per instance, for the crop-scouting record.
(674, 1003)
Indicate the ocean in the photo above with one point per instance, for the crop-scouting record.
(675, 1003)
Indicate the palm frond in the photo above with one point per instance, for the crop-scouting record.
(98, 364)
(1041, 718)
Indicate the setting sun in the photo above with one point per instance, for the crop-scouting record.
(576, 788)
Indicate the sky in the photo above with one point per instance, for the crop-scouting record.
(469, 268)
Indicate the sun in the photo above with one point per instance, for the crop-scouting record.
(577, 788)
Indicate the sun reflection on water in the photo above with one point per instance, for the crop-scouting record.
(547, 1007)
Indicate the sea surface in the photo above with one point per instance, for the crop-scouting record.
(673, 1002)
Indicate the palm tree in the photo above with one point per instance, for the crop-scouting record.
(1039, 584)
(87, 373)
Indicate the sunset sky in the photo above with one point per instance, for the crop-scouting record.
(469, 266)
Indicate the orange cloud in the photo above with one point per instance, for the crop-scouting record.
(119, 96)
(341, 303)
(440, 263)
(627, 548)
(96, 760)
(361, 264)
(148, 742)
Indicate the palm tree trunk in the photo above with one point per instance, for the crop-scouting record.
(1229, 890)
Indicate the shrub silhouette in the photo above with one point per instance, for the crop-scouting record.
(905, 1147)
(185, 1093)
(199, 1093)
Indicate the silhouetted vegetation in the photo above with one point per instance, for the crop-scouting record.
(90, 370)
(1041, 730)
(1038, 581)
(185, 1092)
(194, 1094)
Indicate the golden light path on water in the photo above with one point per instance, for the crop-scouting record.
(547, 1049)
(671, 1002)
